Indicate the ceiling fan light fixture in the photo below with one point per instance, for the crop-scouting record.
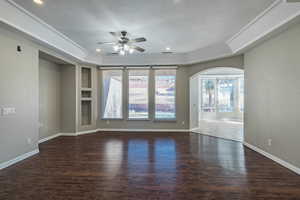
(116, 48)
(122, 52)
(126, 47)
(168, 48)
(39, 2)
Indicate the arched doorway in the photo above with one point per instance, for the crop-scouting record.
(217, 103)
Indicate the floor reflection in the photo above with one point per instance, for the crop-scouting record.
(138, 159)
(165, 162)
(113, 157)
(226, 154)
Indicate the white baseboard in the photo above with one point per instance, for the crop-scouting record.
(112, 130)
(49, 138)
(194, 130)
(87, 132)
(145, 130)
(18, 159)
(68, 134)
(274, 158)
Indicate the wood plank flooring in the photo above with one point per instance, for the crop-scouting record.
(146, 166)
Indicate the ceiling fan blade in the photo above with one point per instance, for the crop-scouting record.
(106, 42)
(112, 54)
(139, 40)
(140, 49)
(115, 34)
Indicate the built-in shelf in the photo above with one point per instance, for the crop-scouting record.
(86, 75)
(86, 99)
(86, 94)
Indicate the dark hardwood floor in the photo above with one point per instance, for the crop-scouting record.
(147, 166)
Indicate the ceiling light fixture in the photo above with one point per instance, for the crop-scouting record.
(98, 50)
(40, 2)
(168, 48)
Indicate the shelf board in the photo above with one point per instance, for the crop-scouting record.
(86, 99)
(86, 89)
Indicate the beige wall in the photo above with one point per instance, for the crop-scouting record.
(234, 61)
(49, 98)
(68, 98)
(272, 87)
(18, 88)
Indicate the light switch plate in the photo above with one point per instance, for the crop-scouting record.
(8, 111)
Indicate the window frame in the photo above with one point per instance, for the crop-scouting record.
(215, 94)
(148, 94)
(102, 95)
(175, 97)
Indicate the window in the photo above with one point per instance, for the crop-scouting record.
(226, 95)
(138, 94)
(165, 92)
(208, 95)
(112, 94)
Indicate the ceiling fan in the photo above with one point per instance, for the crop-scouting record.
(125, 45)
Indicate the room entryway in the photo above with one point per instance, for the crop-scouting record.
(217, 103)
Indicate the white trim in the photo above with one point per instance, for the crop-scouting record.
(18, 159)
(87, 132)
(45, 24)
(68, 134)
(261, 15)
(268, 22)
(164, 67)
(139, 68)
(49, 138)
(122, 130)
(145, 130)
(194, 130)
(111, 68)
(274, 158)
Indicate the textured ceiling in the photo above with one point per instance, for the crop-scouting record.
(182, 25)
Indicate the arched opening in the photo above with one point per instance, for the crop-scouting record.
(217, 102)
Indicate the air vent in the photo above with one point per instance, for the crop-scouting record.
(166, 52)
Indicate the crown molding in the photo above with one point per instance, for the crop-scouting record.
(17, 17)
(265, 24)
(280, 13)
(255, 20)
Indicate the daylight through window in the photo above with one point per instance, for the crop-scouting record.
(112, 94)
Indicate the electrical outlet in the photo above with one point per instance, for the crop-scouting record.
(183, 122)
(107, 122)
(269, 142)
